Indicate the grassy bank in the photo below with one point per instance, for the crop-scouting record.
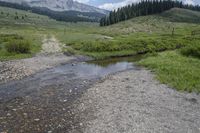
(176, 70)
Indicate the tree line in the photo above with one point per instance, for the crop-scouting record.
(145, 7)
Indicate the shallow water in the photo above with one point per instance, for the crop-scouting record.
(52, 90)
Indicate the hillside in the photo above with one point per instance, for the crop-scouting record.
(68, 15)
(10, 16)
(59, 5)
(155, 23)
(182, 15)
(144, 8)
(17, 25)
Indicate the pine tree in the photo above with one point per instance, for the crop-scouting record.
(145, 7)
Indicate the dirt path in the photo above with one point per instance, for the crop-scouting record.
(51, 45)
(134, 102)
(50, 56)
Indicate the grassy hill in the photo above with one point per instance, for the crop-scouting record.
(175, 17)
(139, 35)
(182, 15)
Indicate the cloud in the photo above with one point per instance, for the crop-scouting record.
(112, 6)
(189, 2)
(83, 1)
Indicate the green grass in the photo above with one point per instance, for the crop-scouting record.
(139, 35)
(192, 50)
(31, 28)
(177, 15)
(176, 70)
(9, 41)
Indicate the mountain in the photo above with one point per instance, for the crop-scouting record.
(59, 5)
(61, 10)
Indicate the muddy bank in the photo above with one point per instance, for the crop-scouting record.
(133, 101)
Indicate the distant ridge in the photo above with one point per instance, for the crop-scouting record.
(59, 5)
(68, 15)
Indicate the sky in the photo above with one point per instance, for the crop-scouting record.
(114, 4)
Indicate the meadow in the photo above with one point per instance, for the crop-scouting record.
(140, 35)
(167, 36)
(18, 27)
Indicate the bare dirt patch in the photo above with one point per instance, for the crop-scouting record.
(51, 45)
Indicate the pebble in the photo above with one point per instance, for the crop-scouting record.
(14, 109)
(36, 119)
(59, 125)
(25, 114)
(8, 114)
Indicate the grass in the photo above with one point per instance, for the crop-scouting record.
(192, 50)
(29, 29)
(18, 47)
(176, 70)
(14, 46)
(145, 34)
(135, 43)
(177, 15)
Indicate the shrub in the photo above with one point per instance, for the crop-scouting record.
(18, 46)
(191, 50)
(10, 37)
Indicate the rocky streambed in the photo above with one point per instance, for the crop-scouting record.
(97, 96)
(43, 102)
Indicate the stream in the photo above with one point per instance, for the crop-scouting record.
(42, 102)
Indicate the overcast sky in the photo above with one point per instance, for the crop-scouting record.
(113, 4)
